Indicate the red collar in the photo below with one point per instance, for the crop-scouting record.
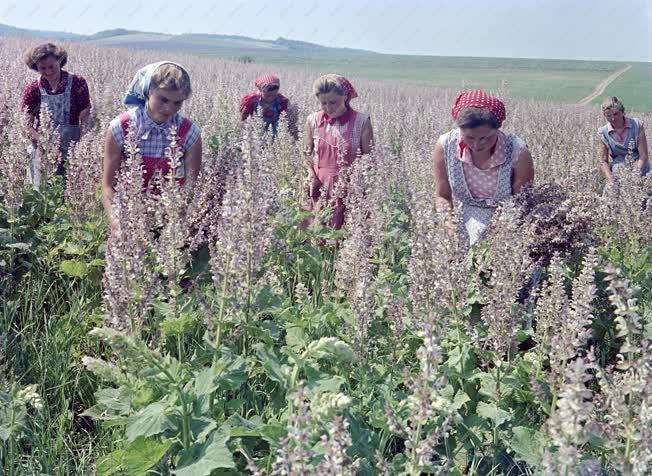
(343, 119)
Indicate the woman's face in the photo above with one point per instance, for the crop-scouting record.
(332, 104)
(50, 67)
(162, 104)
(270, 93)
(480, 139)
(614, 116)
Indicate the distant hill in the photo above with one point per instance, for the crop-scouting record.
(188, 42)
(7, 30)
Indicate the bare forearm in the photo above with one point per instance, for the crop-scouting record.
(107, 199)
(444, 205)
(606, 170)
(84, 119)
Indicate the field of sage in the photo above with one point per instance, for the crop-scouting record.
(213, 335)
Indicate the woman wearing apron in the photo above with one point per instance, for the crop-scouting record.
(157, 93)
(623, 139)
(66, 96)
(334, 136)
(477, 164)
(270, 103)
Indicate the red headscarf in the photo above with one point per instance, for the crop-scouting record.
(482, 100)
(266, 80)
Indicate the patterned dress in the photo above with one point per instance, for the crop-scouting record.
(478, 191)
(335, 146)
(153, 139)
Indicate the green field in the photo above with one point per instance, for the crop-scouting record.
(634, 88)
(565, 81)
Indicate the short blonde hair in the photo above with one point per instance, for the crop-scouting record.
(37, 53)
(329, 83)
(172, 77)
(612, 103)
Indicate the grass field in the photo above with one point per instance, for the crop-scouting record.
(564, 81)
(634, 88)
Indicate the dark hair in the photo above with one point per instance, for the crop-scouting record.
(271, 87)
(471, 117)
(37, 53)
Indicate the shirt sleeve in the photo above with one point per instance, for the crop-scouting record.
(81, 93)
(31, 101)
(601, 134)
(116, 129)
(193, 135)
(520, 150)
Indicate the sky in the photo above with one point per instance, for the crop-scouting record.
(572, 29)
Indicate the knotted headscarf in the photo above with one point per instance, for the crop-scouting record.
(481, 100)
(267, 80)
(138, 91)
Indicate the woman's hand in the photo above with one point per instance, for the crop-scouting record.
(643, 165)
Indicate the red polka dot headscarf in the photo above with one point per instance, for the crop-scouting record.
(267, 80)
(482, 100)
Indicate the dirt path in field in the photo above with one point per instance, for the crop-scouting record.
(599, 89)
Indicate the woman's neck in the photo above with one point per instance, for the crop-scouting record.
(620, 124)
(480, 159)
(54, 80)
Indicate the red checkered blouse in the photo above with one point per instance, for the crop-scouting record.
(79, 96)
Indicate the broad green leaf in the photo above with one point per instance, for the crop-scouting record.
(487, 384)
(326, 384)
(19, 246)
(111, 402)
(203, 458)
(73, 249)
(135, 459)
(98, 262)
(205, 381)
(490, 411)
(227, 373)
(460, 399)
(202, 427)
(295, 338)
(528, 444)
(272, 432)
(270, 362)
(242, 427)
(73, 268)
(178, 326)
(150, 421)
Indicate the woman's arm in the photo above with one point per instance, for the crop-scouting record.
(30, 129)
(604, 161)
(523, 172)
(642, 148)
(443, 192)
(112, 160)
(367, 137)
(192, 161)
(84, 116)
(292, 116)
(308, 147)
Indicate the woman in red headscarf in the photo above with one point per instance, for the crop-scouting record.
(334, 136)
(478, 164)
(270, 102)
